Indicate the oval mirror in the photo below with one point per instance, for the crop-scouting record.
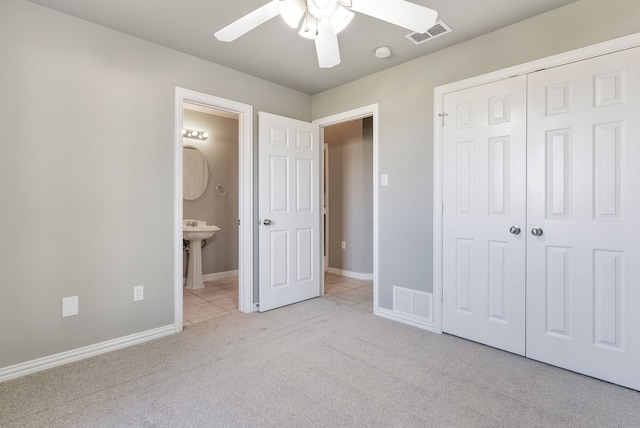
(195, 173)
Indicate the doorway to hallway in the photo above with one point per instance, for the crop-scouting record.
(348, 198)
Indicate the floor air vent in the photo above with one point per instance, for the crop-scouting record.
(436, 31)
(412, 304)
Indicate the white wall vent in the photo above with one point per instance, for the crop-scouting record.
(411, 304)
(437, 30)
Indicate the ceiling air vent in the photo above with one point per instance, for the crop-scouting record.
(436, 31)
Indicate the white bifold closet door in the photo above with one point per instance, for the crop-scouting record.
(484, 199)
(583, 276)
(579, 216)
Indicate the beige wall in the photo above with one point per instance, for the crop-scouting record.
(86, 175)
(221, 152)
(406, 121)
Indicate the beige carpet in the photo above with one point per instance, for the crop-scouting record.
(314, 364)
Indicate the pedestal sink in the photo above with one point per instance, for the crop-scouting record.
(195, 231)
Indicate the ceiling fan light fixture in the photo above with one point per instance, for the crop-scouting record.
(322, 20)
(309, 27)
(340, 18)
(322, 8)
(292, 11)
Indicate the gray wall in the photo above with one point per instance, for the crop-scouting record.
(86, 175)
(350, 196)
(221, 152)
(86, 160)
(405, 97)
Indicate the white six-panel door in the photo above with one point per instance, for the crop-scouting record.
(583, 280)
(582, 230)
(289, 210)
(484, 214)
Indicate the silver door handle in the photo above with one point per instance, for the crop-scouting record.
(266, 222)
(515, 230)
(536, 231)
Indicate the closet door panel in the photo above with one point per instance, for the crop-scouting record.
(484, 196)
(583, 271)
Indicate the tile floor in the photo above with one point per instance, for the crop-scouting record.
(219, 297)
(349, 291)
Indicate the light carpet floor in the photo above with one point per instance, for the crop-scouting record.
(313, 364)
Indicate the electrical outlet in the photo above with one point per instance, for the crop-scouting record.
(69, 306)
(138, 293)
(344, 245)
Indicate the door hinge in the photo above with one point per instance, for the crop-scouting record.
(442, 116)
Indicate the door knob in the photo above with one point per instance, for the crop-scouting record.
(536, 231)
(515, 230)
(266, 222)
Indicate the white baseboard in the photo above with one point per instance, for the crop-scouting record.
(399, 317)
(44, 363)
(215, 275)
(354, 275)
(219, 275)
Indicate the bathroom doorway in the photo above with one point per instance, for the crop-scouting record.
(213, 135)
(221, 131)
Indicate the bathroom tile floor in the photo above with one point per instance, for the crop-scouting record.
(219, 297)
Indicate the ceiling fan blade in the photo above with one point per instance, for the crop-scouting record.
(248, 22)
(399, 12)
(327, 46)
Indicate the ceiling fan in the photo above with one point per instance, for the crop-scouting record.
(322, 20)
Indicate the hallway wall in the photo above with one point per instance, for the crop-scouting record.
(350, 196)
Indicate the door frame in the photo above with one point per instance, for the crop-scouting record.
(348, 116)
(325, 196)
(603, 48)
(245, 196)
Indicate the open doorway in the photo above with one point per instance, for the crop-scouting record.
(350, 167)
(228, 185)
(210, 141)
(348, 210)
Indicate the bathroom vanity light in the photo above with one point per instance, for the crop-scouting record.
(190, 133)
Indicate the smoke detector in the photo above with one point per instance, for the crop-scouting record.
(383, 52)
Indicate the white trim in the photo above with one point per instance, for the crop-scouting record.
(215, 275)
(325, 181)
(219, 275)
(599, 49)
(402, 318)
(359, 113)
(324, 259)
(44, 363)
(349, 274)
(245, 196)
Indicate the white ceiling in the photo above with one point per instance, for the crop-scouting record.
(275, 52)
